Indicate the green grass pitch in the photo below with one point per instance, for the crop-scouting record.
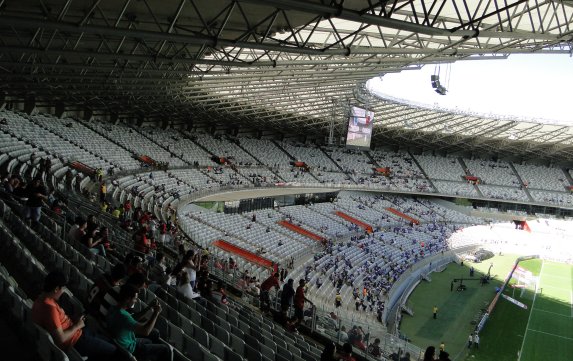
(542, 332)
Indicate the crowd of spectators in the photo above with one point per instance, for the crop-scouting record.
(366, 264)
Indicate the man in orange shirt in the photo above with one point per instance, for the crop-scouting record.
(66, 333)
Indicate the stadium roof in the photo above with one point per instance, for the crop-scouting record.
(286, 65)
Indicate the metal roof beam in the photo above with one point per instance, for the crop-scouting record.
(340, 12)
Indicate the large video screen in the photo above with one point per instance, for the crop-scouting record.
(359, 132)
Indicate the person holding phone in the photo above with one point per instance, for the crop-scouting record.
(95, 242)
(125, 328)
(66, 333)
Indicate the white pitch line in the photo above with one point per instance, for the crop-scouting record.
(530, 313)
(552, 275)
(550, 334)
(554, 313)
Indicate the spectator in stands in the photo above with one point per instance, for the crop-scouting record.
(47, 166)
(232, 264)
(116, 212)
(95, 242)
(134, 264)
(104, 232)
(21, 191)
(37, 195)
(78, 230)
(203, 274)
(299, 300)
(66, 333)
(127, 209)
(328, 352)
(162, 232)
(342, 336)
(141, 243)
(338, 299)
(102, 285)
(92, 223)
(158, 270)
(181, 251)
(444, 356)
(11, 184)
(145, 219)
(184, 287)
(188, 264)
(111, 298)
(102, 192)
(374, 349)
(57, 206)
(207, 291)
(272, 281)
(287, 297)
(124, 327)
(223, 293)
(429, 354)
(357, 338)
(346, 352)
(69, 177)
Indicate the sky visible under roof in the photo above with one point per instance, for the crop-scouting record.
(529, 87)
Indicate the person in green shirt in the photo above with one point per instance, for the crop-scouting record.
(116, 213)
(125, 329)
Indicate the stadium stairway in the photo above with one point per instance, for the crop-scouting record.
(464, 166)
(423, 172)
(443, 217)
(479, 192)
(238, 144)
(240, 175)
(523, 184)
(158, 144)
(567, 176)
(369, 156)
(186, 136)
(338, 165)
(88, 125)
(277, 144)
(516, 173)
(467, 172)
